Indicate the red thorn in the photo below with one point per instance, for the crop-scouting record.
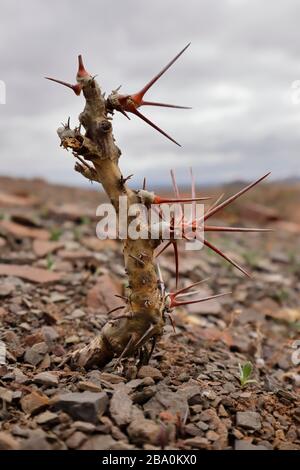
(82, 73)
(219, 252)
(175, 303)
(175, 187)
(193, 194)
(185, 289)
(163, 200)
(234, 197)
(76, 88)
(176, 262)
(215, 203)
(214, 228)
(139, 96)
(124, 113)
(141, 116)
(159, 252)
(162, 105)
(130, 103)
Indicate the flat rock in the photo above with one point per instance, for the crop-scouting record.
(112, 378)
(148, 371)
(76, 439)
(20, 231)
(143, 431)
(29, 273)
(84, 426)
(99, 442)
(36, 353)
(47, 418)
(248, 420)
(85, 406)
(85, 385)
(43, 247)
(102, 295)
(246, 445)
(34, 402)
(197, 442)
(6, 289)
(121, 406)
(46, 378)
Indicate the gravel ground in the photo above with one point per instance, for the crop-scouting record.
(57, 283)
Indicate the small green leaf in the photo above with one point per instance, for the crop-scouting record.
(55, 235)
(245, 373)
(50, 262)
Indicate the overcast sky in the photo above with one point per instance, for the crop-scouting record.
(237, 76)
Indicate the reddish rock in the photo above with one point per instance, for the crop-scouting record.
(37, 275)
(34, 402)
(103, 294)
(43, 247)
(20, 231)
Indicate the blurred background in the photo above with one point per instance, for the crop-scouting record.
(238, 75)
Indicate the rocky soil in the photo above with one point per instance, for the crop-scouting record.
(57, 283)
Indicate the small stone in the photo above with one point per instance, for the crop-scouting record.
(83, 426)
(49, 334)
(75, 440)
(8, 442)
(43, 247)
(203, 426)
(246, 445)
(89, 386)
(99, 442)
(46, 378)
(144, 395)
(19, 376)
(102, 296)
(248, 420)
(222, 412)
(36, 354)
(148, 371)
(6, 289)
(34, 402)
(212, 436)
(47, 418)
(112, 378)
(77, 314)
(121, 406)
(209, 394)
(85, 406)
(197, 442)
(6, 395)
(192, 430)
(143, 431)
(72, 339)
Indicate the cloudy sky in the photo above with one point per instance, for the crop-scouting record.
(237, 75)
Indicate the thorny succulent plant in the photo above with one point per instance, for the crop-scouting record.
(146, 305)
